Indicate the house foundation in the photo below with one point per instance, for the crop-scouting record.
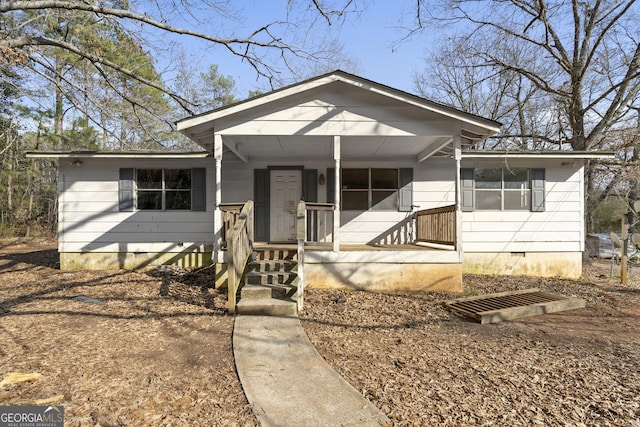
(381, 277)
(567, 265)
(72, 261)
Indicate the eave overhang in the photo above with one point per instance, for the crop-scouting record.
(538, 155)
(117, 154)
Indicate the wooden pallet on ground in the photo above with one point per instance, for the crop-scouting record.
(494, 308)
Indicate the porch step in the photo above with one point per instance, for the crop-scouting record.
(275, 254)
(267, 307)
(272, 265)
(269, 285)
(270, 277)
(254, 291)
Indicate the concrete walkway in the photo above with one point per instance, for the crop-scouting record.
(288, 383)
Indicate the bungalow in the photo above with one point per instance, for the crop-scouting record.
(394, 195)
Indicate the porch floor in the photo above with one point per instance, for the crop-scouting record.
(348, 247)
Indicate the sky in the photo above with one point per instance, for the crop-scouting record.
(370, 39)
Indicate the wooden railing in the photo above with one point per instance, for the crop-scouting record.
(437, 225)
(239, 249)
(319, 222)
(230, 214)
(301, 235)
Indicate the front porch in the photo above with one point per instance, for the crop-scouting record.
(432, 263)
(377, 169)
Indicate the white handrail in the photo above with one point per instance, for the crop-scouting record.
(301, 235)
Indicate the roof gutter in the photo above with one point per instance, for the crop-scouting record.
(116, 154)
(538, 154)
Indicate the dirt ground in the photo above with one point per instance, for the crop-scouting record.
(154, 348)
(425, 365)
(149, 348)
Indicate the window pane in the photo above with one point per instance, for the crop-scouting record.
(178, 200)
(355, 179)
(176, 179)
(384, 179)
(355, 200)
(516, 178)
(150, 200)
(488, 199)
(516, 199)
(488, 178)
(384, 200)
(149, 178)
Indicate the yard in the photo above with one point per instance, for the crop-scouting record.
(154, 348)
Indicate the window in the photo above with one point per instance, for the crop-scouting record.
(163, 189)
(375, 189)
(503, 189)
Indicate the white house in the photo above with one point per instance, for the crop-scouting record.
(397, 199)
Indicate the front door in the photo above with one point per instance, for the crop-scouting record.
(286, 192)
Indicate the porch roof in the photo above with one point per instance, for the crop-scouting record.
(373, 121)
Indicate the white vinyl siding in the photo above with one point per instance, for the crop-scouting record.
(90, 220)
(347, 111)
(433, 186)
(558, 229)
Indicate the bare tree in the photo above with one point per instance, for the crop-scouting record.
(530, 117)
(46, 40)
(585, 55)
(580, 59)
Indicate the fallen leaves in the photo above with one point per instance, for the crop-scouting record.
(156, 353)
(424, 365)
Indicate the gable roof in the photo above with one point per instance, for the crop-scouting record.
(300, 121)
(184, 125)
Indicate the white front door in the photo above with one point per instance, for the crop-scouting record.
(286, 192)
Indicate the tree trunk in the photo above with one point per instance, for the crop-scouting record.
(10, 213)
(58, 117)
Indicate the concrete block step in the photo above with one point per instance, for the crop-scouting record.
(267, 307)
(258, 291)
(273, 265)
(270, 277)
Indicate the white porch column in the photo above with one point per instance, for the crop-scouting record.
(336, 211)
(457, 155)
(217, 213)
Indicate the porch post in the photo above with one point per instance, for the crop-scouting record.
(457, 155)
(336, 211)
(217, 213)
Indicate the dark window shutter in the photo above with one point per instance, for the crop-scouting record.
(466, 190)
(198, 189)
(261, 204)
(405, 197)
(537, 190)
(125, 190)
(331, 185)
(310, 188)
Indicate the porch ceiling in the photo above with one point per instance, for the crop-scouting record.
(246, 147)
